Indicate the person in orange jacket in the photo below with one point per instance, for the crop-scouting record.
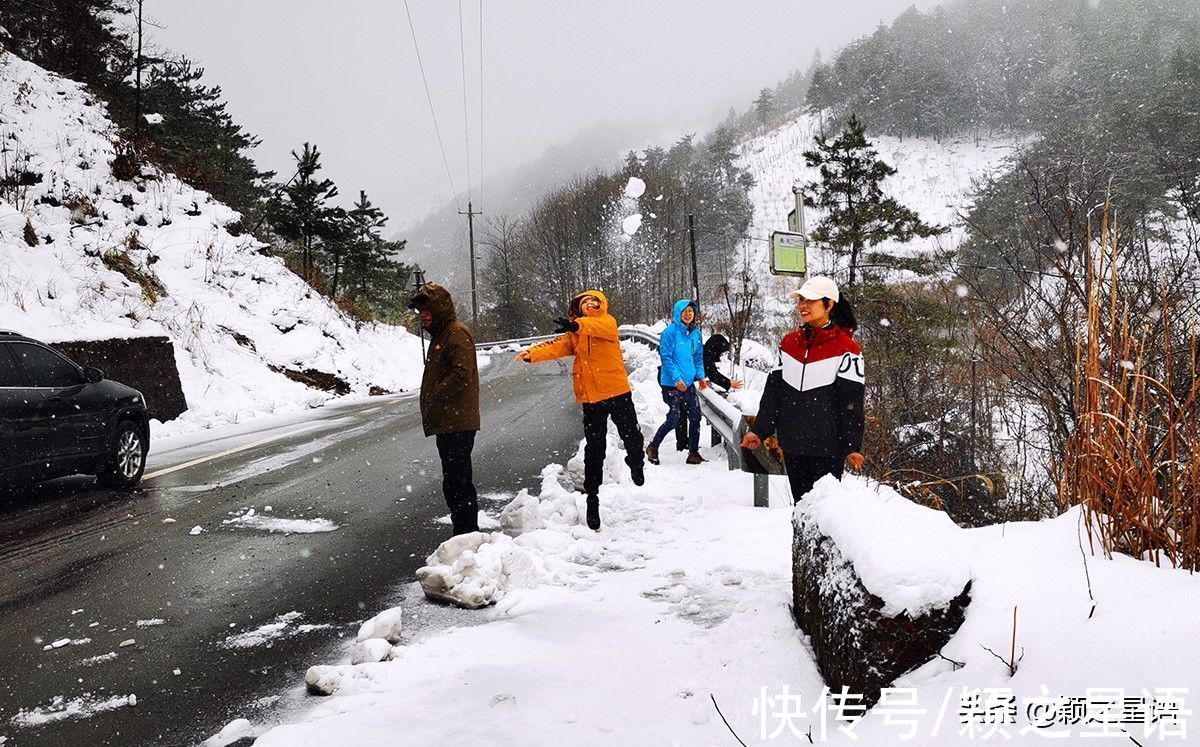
(601, 386)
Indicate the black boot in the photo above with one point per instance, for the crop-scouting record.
(636, 470)
(593, 512)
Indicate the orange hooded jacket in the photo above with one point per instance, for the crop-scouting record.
(599, 370)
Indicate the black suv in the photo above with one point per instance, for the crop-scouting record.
(59, 419)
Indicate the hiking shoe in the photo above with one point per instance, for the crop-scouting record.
(652, 454)
(593, 512)
(636, 471)
(695, 458)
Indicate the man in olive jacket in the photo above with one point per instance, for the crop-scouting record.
(450, 400)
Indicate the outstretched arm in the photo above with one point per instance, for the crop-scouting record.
(559, 347)
(603, 326)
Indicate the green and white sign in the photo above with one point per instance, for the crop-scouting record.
(789, 253)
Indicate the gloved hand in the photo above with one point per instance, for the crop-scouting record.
(566, 325)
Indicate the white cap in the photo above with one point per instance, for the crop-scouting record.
(816, 288)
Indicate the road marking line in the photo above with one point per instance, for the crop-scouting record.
(227, 452)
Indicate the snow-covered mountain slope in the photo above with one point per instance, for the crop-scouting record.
(933, 178)
(85, 255)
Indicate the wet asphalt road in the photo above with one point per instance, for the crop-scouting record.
(82, 563)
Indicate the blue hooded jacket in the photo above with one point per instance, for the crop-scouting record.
(681, 349)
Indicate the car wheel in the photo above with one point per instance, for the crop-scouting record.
(127, 457)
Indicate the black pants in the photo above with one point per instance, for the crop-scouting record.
(458, 481)
(681, 435)
(803, 471)
(595, 433)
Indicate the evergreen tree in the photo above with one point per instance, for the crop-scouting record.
(76, 38)
(856, 214)
(302, 213)
(764, 105)
(366, 252)
(197, 138)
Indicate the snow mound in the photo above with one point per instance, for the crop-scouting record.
(386, 625)
(372, 650)
(554, 505)
(232, 732)
(909, 556)
(475, 570)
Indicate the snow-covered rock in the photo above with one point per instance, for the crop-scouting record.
(475, 570)
(371, 650)
(386, 625)
(323, 679)
(910, 556)
(879, 584)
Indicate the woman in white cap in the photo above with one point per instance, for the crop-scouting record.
(814, 400)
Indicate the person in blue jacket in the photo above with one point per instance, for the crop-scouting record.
(681, 348)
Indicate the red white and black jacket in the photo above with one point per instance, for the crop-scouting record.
(814, 399)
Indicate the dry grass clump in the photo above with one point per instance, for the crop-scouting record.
(1133, 461)
(120, 261)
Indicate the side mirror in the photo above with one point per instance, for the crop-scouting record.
(93, 375)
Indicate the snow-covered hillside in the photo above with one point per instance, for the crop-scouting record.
(933, 178)
(88, 256)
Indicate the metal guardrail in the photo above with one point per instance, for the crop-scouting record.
(519, 341)
(728, 425)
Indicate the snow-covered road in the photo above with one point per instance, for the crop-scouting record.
(230, 573)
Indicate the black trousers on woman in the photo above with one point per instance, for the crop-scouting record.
(803, 471)
(595, 431)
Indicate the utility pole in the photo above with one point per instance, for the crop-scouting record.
(418, 283)
(471, 237)
(695, 271)
(974, 405)
(137, 108)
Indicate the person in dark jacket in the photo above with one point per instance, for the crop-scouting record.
(681, 348)
(814, 401)
(714, 347)
(450, 401)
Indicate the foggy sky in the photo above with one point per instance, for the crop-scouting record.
(344, 75)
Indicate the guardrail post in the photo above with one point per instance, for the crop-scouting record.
(762, 492)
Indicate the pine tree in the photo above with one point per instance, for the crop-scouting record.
(302, 213)
(856, 214)
(764, 105)
(76, 38)
(365, 247)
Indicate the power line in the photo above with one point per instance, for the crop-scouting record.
(462, 57)
(429, 98)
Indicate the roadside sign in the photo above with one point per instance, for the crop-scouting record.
(789, 253)
(792, 222)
